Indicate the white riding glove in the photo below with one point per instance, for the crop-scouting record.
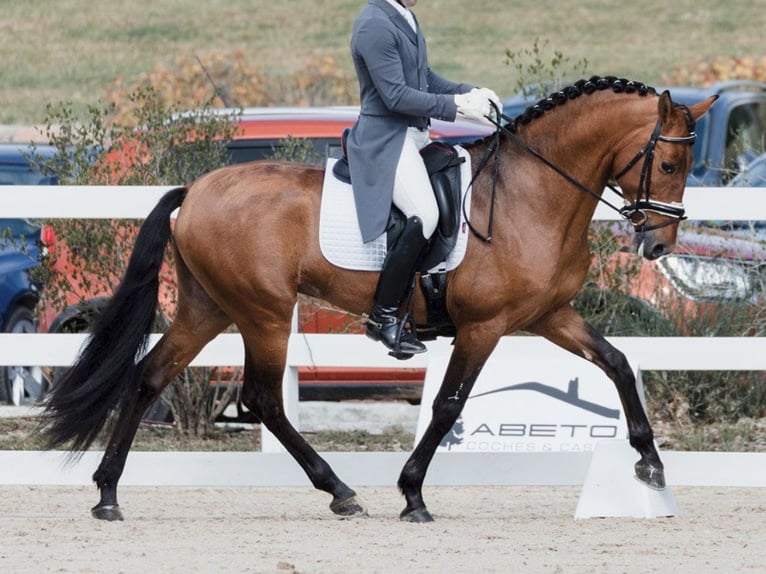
(492, 97)
(476, 103)
(472, 105)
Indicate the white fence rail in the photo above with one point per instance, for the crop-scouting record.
(702, 203)
(334, 350)
(354, 350)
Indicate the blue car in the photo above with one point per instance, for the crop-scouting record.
(20, 252)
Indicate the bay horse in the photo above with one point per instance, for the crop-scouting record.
(245, 243)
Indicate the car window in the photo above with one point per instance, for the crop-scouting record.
(17, 174)
(701, 128)
(754, 175)
(744, 137)
(241, 151)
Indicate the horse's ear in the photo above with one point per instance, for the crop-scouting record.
(665, 107)
(700, 108)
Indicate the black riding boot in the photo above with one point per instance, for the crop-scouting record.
(394, 284)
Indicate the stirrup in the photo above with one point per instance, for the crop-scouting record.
(397, 352)
(400, 356)
(392, 334)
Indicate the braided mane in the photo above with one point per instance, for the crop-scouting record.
(595, 83)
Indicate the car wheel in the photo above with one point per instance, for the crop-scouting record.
(19, 384)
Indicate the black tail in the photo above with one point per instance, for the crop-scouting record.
(105, 377)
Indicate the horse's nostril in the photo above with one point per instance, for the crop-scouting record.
(658, 251)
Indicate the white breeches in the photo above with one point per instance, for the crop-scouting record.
(412, 188)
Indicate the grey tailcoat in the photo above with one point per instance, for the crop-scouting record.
(397, 90)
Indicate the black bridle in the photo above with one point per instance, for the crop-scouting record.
(634, 213)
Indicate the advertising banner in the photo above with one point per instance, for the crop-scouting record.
(531, 396)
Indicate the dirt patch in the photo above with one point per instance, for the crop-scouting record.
(291, 530)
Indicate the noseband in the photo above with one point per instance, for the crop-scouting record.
(635, 212)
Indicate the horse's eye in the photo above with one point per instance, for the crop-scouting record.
(667, 168)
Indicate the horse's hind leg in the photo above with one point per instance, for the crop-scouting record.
(569, 330)
(262, 393)
(198, 320)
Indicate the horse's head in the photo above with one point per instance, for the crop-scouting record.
(653, 180)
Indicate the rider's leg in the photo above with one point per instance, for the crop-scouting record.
(413, 193)
(383, 324)
(414, 197)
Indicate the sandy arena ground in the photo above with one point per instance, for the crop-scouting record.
(291, 530)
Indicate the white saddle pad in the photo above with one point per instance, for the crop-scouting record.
(341, 240)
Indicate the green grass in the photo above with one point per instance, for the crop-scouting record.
(69, 50)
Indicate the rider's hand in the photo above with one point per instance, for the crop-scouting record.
(492, 97)
(473, 105)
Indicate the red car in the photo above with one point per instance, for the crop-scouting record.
(262, 134)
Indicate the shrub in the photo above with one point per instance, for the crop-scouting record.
(167, 148)
(707, 71)
(540, 73)
(229, 80)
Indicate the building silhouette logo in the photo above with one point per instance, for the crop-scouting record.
(455, 436)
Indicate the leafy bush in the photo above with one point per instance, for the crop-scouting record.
(539, 73)
(709, 70)
(157, 145)
(688, 400)
(299, 150)
(229, 80)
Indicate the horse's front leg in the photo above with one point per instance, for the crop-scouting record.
(569, 330)
(472, 349)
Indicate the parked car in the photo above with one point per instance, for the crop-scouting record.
(16, 168)
(262, 133)
(715, 263)
(21, 244)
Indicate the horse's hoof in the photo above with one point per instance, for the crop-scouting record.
(419, 515)
(651, 476)
(108, 512)
(351, 506)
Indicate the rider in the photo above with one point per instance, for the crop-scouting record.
(399, 94)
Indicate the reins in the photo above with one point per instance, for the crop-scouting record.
(493, 148)
(634, 213)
